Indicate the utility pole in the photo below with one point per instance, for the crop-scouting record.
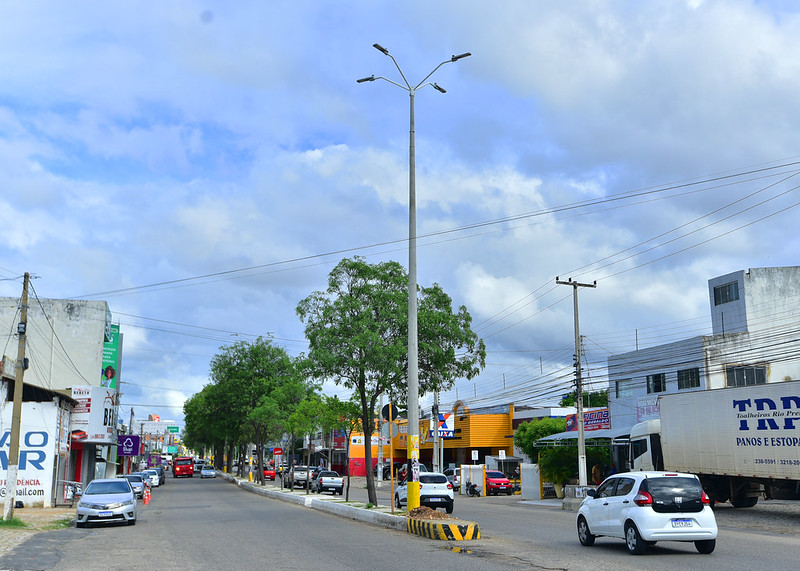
(16, 415)
(578, 383)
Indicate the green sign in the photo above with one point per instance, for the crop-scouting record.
(108, 376)
(173, 429)
(172, 449)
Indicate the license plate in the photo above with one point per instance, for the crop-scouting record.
(435, 499)
(105, 514)
(681, 523)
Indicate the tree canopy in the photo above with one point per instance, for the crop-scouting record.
(254, 388)
(358, 337)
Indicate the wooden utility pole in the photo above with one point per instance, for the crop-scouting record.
(16, 415)
(582, 480)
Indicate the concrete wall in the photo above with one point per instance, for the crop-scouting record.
(64, 340)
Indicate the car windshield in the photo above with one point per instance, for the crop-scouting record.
(430, 478)
(495, 475)
(134, 478)
(99, 488)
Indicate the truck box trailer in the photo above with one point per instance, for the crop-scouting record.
(742, 442)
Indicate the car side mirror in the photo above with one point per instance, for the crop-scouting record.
(591, 493)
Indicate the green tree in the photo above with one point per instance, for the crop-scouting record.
(344, 416)
(306, 420)
(528, 433)
(357, 333)
(595, 399)
(257, 386)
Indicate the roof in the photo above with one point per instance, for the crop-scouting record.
(601, 433)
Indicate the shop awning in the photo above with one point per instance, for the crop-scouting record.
(602, 433)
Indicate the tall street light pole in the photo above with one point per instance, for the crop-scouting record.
(413, 360)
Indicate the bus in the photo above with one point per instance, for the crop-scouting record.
(183, 466)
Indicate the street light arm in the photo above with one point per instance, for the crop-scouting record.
(451, 60)
(374, 78)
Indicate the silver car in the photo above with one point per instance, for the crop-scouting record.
(137, 483)
(106, 501)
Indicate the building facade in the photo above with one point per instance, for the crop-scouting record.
(755, 317)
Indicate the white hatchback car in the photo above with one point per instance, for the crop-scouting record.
(645, 507)
(435, 491)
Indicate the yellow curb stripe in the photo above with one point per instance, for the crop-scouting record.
(443, 531)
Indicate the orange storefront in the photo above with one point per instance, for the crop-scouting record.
(487, 431)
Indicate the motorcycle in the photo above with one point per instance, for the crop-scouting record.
(472, 489)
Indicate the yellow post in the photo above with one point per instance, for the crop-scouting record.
(413, 483)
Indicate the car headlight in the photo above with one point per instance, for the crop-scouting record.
(129, 502)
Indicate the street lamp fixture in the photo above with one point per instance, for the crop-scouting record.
(413, 500)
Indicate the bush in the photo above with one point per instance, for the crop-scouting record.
(559, 464)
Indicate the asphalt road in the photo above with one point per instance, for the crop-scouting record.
(193, 523)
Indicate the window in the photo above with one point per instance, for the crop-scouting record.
(656, 383)
(606, 489)
(625, 486)
(638, 447)
(726, 293)
(689, 379)
(623, 388)
(745, 375)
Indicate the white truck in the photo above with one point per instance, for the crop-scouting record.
(742, 442)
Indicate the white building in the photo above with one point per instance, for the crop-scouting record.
(68, 345)
(755, 318)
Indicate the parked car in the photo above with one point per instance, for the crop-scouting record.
(328, 481)
(645, 507)
(402, 472)
(434, 491)
(208, 471)
(298, 476)
(107, 500)
(137, 483)
(162, 475)
(155, 480)
(497, 483)
(453, 476)
(387, 470)
(269, 473)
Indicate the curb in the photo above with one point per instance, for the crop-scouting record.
(444, 531)
(325, 505)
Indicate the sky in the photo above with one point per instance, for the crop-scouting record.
(202, 166)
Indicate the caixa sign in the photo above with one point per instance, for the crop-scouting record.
(32, 453)
(769, 414)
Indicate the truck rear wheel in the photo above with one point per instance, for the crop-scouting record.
(744, 501)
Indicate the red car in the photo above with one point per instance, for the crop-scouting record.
(497, 483)
(269, 473)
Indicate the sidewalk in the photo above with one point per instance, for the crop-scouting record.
(38, 520)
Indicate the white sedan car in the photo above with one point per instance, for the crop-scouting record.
(208, 471)
(105, 501)
(645, 507)
(435, 491)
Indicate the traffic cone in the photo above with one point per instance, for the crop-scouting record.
(146, 496)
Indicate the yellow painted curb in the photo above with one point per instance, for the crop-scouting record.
(435, 529)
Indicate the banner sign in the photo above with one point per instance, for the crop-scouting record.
(94, 416)
(108, 376)
(128, 445)
(592, 420)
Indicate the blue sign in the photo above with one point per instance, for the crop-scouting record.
(127, 445)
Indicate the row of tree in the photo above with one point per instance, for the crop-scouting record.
(357, 331)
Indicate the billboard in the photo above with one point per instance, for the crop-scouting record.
(94, 416)
(592, 420)
(110, 371)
